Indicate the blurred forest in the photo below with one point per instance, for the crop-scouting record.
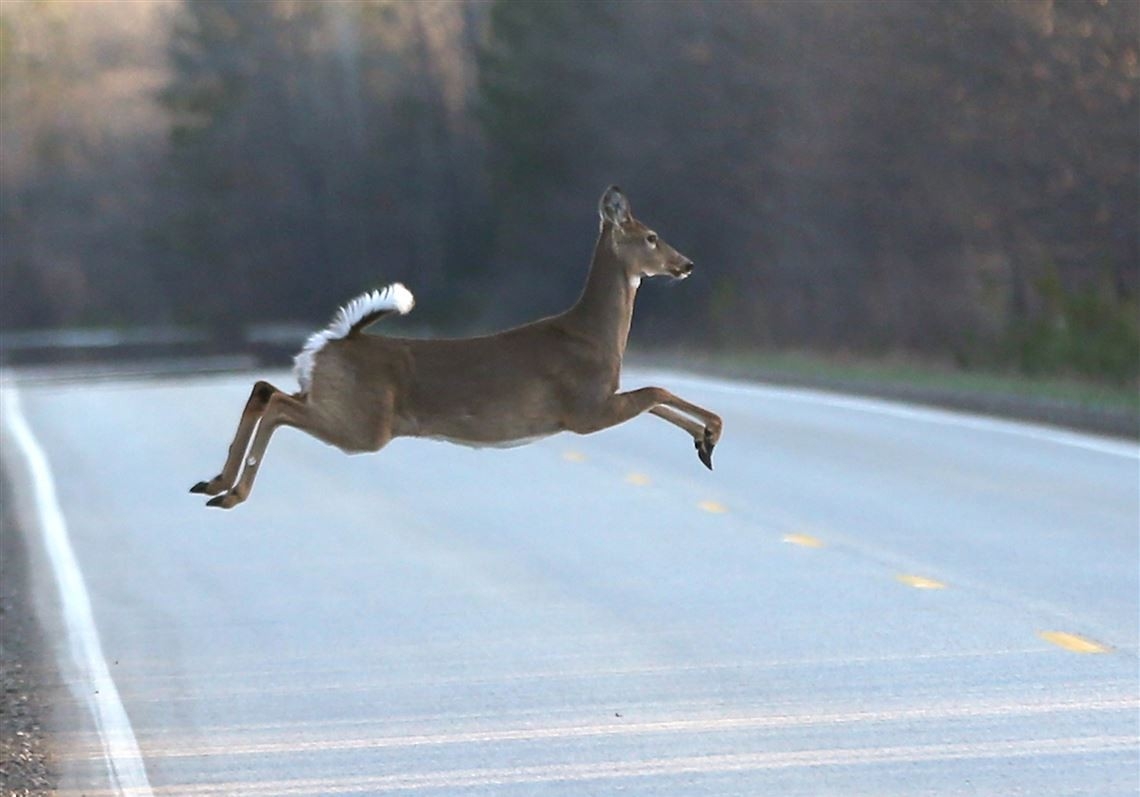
(956, 180)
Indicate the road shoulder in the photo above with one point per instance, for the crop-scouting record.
(26, 670)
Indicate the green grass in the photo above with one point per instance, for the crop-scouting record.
(854, 371)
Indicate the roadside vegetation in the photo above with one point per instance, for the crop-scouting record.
(954, 182)
(812, 368)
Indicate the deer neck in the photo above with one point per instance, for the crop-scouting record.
(604, 311)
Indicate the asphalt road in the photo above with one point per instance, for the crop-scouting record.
(862, 599)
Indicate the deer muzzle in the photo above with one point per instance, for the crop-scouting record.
(682, 269)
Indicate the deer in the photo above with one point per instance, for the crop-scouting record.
(560, 373)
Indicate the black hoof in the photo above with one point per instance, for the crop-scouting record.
(704, 452)
(204, 487)
(220, 501)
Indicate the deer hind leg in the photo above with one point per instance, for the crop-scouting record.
(330, 427)
(254, 408)
(281, 409)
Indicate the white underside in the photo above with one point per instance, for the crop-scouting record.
(522, 441)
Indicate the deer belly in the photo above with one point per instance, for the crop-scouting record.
(480, 431)
(509, 443)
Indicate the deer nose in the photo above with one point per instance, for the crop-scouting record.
(685, 268)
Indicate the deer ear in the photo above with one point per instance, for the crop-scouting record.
(614, 207)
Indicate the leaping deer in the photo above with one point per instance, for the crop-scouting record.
(556, 374)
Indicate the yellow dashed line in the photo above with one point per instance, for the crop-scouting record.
(716, 507)
(638, 479)
(574, 456)
(1072, 642)
(920, 582)
(804, 540)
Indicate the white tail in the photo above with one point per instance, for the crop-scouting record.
(359, 313)
(556, 374)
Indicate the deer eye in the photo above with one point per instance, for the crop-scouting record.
(651, 239)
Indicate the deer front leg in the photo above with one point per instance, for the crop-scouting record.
(705, 437)
(254, 408)
(623, 406)
(702, 436)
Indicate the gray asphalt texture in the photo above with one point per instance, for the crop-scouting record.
(27, 674)
(857, 601)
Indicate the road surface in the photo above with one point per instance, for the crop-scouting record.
(863, 599)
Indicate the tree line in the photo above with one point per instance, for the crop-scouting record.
(957, 180)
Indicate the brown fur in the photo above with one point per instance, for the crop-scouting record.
(556, 374)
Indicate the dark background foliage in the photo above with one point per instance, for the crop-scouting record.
(954, 180)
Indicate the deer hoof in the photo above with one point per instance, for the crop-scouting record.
(704, 452)
(225, 501)
(206, 488)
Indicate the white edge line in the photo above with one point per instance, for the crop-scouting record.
(95, 686)
(894, 409)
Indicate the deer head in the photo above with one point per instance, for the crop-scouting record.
(638, 247)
